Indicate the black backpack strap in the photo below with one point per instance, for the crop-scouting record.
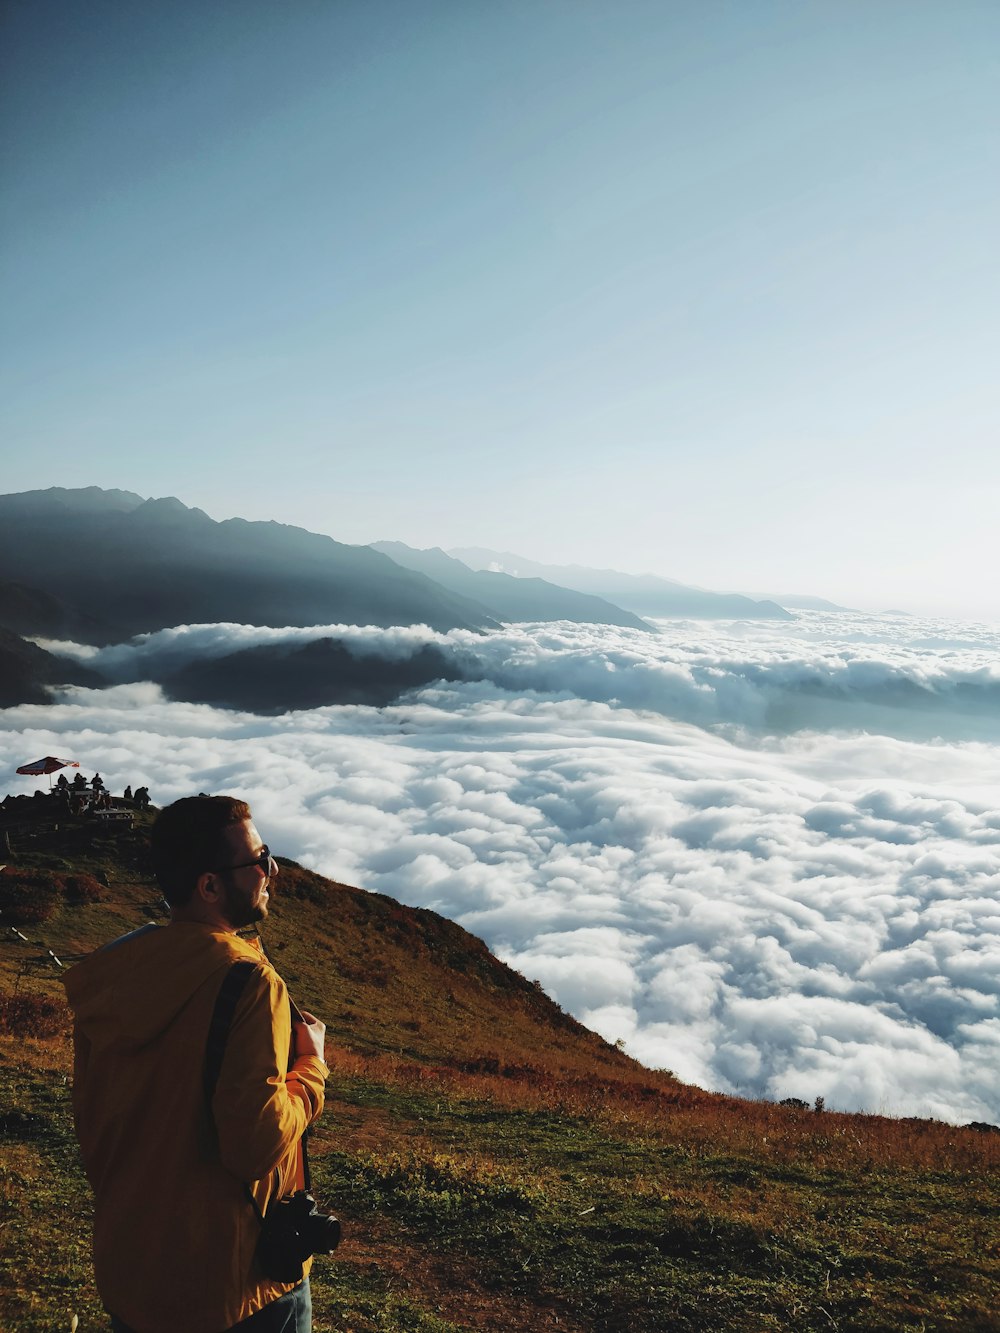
(226, 1001)
(222, 1017)
(233, 985)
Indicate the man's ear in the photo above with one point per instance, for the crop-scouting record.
(207, 888)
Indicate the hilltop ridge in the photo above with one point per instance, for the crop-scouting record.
(391, 978)
(497, 1167)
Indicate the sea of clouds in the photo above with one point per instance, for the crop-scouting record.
(767, 857)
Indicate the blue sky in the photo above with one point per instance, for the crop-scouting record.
(706, 289)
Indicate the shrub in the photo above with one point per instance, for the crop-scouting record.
(28, 1015)
(28, 897)
(442, 1191)
(82, 889)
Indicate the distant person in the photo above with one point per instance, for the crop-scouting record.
(62, 782)
(79, 781)
(186, 1180)
(127, 794)
(97, 782)
(141, 797)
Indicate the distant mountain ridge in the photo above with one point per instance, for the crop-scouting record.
(796, 601)
(100, 566)
(129, 565)
(645, 594)
(506, 597)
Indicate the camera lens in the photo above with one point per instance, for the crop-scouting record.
(323, 1233)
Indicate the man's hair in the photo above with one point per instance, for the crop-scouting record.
(186, 840)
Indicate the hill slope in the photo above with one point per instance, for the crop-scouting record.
(26, 670)
(27, 610)
(403, 970)
(497, 1166)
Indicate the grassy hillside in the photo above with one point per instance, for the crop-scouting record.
(497, 1167)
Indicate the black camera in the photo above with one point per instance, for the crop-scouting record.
(293, 1229)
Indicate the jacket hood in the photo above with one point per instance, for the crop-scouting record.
(131, 990)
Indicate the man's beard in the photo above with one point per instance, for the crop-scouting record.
(240, 910)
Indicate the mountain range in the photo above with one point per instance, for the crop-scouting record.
(511, 599)
(644, 594)
(101, 566)
(131, 565)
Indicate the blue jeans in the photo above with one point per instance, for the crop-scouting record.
(291, 1313)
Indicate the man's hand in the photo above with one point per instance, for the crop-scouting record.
(309, 1036)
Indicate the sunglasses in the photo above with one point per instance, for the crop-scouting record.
(263, 861)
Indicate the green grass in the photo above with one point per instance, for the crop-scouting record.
(45, 1208)
(549, 1210)
(632, 1233)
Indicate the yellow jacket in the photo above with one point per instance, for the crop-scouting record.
(174, 1233)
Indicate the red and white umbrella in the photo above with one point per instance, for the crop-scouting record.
(47, 765)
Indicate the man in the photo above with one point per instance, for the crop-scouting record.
(174, 1227)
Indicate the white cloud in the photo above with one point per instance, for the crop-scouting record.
(826, 671)
(167, 650)
(795, 914)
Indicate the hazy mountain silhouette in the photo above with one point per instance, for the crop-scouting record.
(794, 601)
(645, 594)
(135, 565)
(274, 678)
(25, 610)
(26, 669)
(506, 597)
